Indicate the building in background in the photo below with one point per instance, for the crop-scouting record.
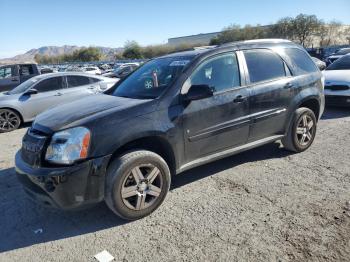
(341, 37)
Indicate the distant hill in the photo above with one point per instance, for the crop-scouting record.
(28, 57)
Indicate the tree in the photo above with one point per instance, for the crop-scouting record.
(237, 33)
(306, 26)
(132, 50)
(283, 28)
(329, 33)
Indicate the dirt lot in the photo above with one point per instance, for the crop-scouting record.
(262, 205)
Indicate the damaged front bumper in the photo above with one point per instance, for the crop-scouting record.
(67, 187)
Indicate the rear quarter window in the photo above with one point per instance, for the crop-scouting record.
(264, 65)
(300, 62)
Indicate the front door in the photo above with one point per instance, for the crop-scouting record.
(49, 95)
(221, 121)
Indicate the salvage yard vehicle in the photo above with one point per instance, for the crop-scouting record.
(13, 75)
(335, 56)
(39, 93)
(173, 113)
(337, 82)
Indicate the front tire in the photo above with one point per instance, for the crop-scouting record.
(9, 120)
(302, 131)
(136, 184)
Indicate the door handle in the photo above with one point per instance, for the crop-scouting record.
(288, 85)
(14, 79)
(58, 94)
(239, 99)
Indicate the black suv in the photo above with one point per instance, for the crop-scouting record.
(173, 113)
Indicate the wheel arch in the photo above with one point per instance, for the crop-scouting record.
(154, 143)
(313, 104)
(15, 110)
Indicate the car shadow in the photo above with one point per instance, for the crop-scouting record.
(332, 112)
(24, 223)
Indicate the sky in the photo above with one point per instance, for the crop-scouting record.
(27, 24)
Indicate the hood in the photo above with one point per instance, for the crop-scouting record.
(63, 115)
(4, 97)
(337, 76)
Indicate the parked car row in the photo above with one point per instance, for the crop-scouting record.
(23, 103)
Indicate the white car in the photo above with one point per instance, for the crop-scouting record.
(92, 70)
(337, 82)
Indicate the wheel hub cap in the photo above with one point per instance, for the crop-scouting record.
(142, 187)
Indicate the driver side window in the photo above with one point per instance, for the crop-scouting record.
(219, 73)
(50, 84)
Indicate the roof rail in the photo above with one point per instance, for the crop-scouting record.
(265, 41)
(204, 47)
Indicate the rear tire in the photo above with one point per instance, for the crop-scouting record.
(9, 120)
(136, 184)
(302, 131)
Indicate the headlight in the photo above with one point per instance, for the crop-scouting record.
(68, 146)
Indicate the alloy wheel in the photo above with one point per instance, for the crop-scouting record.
(305, 130)
(8, 120)
(142, 187)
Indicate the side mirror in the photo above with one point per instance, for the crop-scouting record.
(31, 91)
(197, 92)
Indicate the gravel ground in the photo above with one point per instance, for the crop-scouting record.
(262, 205)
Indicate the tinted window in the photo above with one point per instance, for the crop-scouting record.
(5, 72)
(219, 73)
(341, 64)
(264, 65)
(50, 84)
(300, 61)
(74, 81)
(26, 70)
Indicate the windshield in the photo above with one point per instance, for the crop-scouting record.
(22, 87)
(153, 78)
(343, 51)
(342, 63)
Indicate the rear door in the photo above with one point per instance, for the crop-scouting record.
(221, 121)
(9, 78)
(272, 90)
(78, 86)
(49, 95)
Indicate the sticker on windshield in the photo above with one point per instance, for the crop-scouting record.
(179, 63)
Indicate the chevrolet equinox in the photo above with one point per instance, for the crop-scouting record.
(173, 113)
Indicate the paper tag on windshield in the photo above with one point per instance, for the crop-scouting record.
(179, 63)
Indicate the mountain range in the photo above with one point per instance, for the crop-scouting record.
(28, 57)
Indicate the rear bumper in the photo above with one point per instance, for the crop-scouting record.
(343, 101)
(64, 187)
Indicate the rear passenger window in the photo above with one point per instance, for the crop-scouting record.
(300, 61)
(219, 73)
(264, 65)
(26, 70)
(74, 81)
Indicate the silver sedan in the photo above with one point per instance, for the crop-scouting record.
(26, 101)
